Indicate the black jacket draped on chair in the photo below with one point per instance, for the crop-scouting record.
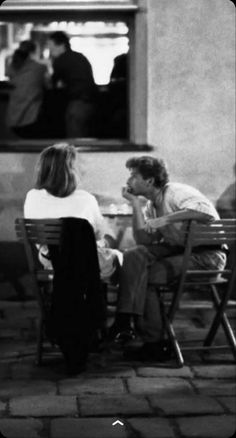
(78, 307)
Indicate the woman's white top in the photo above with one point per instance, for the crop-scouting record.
(39, 204)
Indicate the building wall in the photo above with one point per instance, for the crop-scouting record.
(191, 89)
(187, 49)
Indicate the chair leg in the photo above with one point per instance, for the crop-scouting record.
(219, 307)
(175, 344)
(220, 318)
(227, 330)
(172, 336)
(39, 352)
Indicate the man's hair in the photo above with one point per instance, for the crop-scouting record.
(150, 167)
(56, 171)
(60, 38)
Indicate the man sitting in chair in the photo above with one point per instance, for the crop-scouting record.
(158, 231)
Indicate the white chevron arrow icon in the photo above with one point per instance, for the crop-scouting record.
(117, 422)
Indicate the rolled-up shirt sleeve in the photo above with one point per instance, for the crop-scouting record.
(193, 200)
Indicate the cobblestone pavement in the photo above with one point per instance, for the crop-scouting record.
(151, 400)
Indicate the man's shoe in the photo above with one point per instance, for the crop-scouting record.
(120, 335)
(124, 336)
(150, 352)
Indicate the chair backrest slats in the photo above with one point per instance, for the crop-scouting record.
(43, 232)
(212, 241)
(208, 272)
(216, 233)
(37, 231)
(209, 236)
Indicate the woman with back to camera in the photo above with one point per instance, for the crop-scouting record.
(57, 195)
(28, 79)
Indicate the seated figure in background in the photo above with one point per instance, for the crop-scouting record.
(226, 207)
(226, 203)
(73, 72)
(28, 78)
(118, 87)
(159, 254)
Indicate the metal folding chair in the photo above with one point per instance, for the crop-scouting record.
(32, 232)
(219, 283)
(43, 232)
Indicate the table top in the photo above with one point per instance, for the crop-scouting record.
(113, 210)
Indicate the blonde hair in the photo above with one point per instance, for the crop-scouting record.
(55, 171)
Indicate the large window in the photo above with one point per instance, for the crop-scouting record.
(105, 44)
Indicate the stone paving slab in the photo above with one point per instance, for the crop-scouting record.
(14, 388)
(30, 304)
(28, 349)
(91, 386)
(19, 428)
(21, 371)
(215, 387)
(10, 306)
(8, 333)
(186, 405)
(4, 371)
(152, 427)
(208, 427)
(52, 371)
(25, 319)
(11, 349)
(43, 406)
(148, 385)
(164, 372)
(117, 405)
(87, 428)
(112, 372)
(4, 325)
(218, 357)
(229, 403)
(2, 407)
(215, 371)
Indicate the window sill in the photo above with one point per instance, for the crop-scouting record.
(85, 145)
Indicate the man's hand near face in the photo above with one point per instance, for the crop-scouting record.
(141, 236)
(127, 194)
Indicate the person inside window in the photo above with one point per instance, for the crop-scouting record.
(73, 72)
(28, 78)
(118, 96)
